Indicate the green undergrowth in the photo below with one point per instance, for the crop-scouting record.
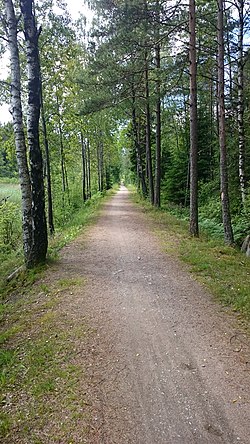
(40, 374)
(12, 258)
(224, 270)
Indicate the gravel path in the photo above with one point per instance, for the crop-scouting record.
(163, 364)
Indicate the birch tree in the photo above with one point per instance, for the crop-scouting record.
(31, 179)
(17, 115)
(39, 228)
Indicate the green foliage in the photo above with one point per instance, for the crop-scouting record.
(10, 227)
(8, 164)
(241, 222)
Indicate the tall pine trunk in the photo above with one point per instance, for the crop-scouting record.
(157, 186)
(194, 227)
(148, 133)
(228, 232)
(100, 163)
(240, 105)
(140, 171)
(21, 152)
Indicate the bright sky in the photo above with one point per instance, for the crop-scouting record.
(75, 7)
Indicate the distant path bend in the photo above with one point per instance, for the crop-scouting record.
(161, 367)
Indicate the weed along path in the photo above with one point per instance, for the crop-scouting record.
(163, 363)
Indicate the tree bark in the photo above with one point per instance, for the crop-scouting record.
(100, 163)
(240, 105)
(89, 170)
(228, 232)
(40, 237)
(17, 115)
(157, 187)
(83, 168)
(148, 133)
(194, 226)
(61, 146)
(140, 171)
(48, 172)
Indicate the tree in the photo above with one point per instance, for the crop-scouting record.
(39, 225)
(194, 228)
(48, 169)
(157, 185)
(31, 180)
(226, 216)
(240, 105)
(20, 143)
(84, 168)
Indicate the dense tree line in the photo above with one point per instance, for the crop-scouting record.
(61, 157)
(158, 94)
(182, 70)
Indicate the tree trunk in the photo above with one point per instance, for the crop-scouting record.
(83, 168)
(101, 165)
(228, 232)
(211, 142)
(48, 172)
(148, 133)
(89, 170)
(227, 40)
(40, 237)
(157, 188)
(240, 105)
(137, 146)
(194, 227)
(21, 152)
(61, 147)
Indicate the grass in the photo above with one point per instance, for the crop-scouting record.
(224, 270)
(10, 191)
(40, 379)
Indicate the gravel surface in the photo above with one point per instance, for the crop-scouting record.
(164, 362)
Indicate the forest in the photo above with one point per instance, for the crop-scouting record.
(155, 93)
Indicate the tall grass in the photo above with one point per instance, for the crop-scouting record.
(10, 192)
(224, 270)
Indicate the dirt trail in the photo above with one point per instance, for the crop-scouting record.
(160, 365)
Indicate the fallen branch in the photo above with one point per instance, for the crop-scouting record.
(15, 273)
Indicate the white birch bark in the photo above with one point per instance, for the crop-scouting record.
(16, 106)
(40, 238)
